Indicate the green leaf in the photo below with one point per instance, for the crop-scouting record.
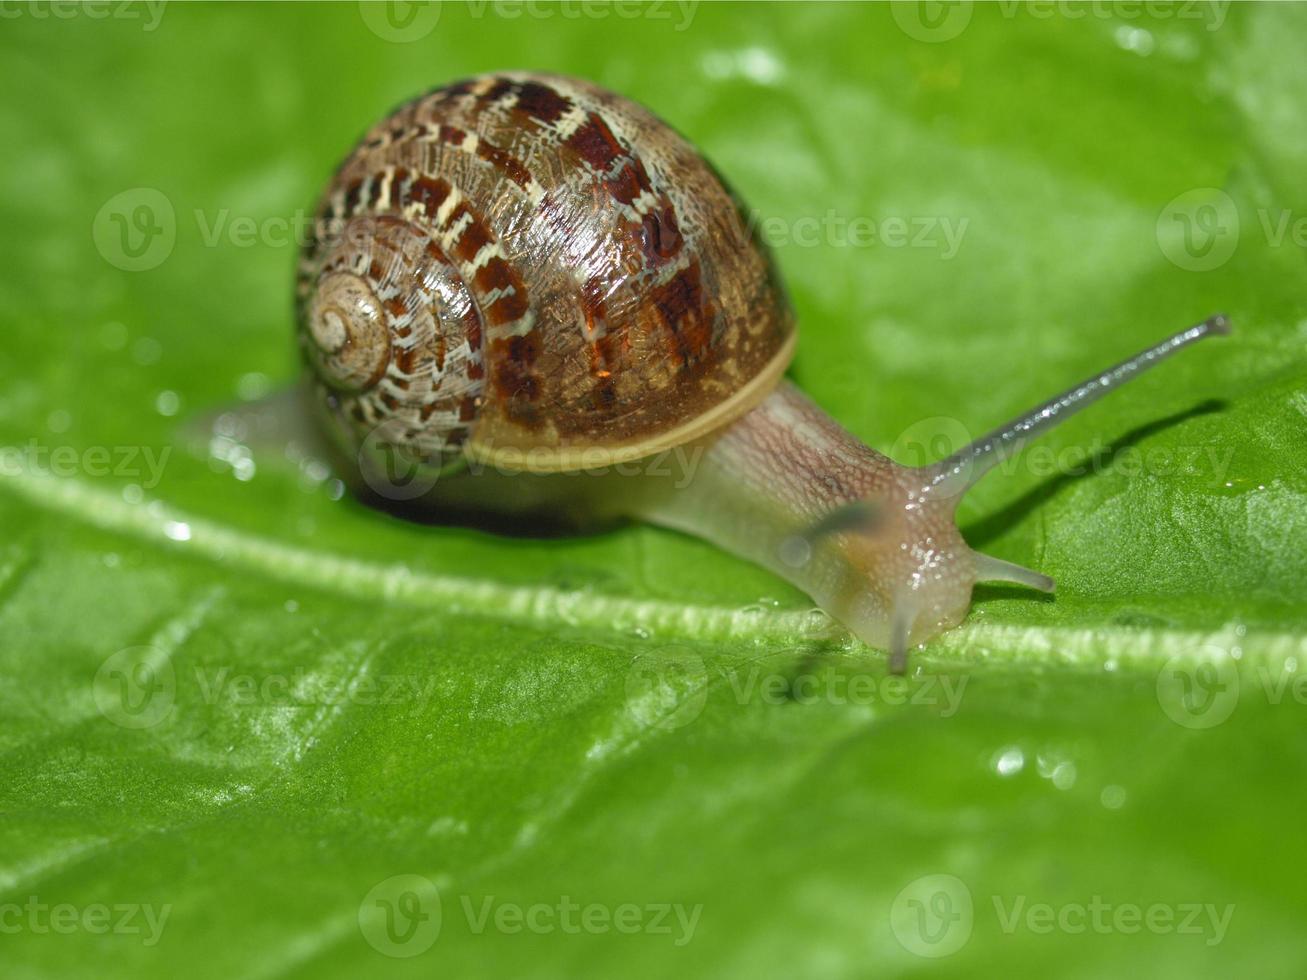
(252, 727)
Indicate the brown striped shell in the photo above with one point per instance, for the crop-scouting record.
(536, 273)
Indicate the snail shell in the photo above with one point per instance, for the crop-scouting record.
(531, 271)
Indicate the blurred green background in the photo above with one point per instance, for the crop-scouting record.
(253, 728)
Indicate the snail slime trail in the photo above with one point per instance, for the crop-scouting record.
(519, 280)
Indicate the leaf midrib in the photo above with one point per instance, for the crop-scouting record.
(1106, 646)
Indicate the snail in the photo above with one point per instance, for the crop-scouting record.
(520, 281)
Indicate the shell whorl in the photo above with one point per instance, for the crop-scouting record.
(349, 333)
(522, 265)
(391, 332)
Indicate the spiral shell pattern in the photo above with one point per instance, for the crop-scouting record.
(531, 270)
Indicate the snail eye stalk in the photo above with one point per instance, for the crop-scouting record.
(954, 476)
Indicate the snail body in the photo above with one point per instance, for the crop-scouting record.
(519, 277)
